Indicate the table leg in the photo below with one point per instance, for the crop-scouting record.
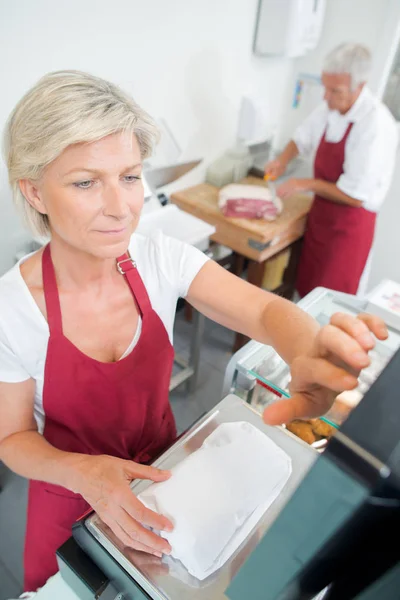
(255, 272)
(288, 286)
(238, 264)
(188, 312)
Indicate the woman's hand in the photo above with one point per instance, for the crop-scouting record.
(103, 481)
(339, 353)
(149, 564)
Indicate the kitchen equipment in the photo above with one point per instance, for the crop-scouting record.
(230, 167)
(159, 176)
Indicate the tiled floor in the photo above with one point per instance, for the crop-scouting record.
(187, 408)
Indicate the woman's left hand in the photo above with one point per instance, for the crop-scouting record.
(339, 353)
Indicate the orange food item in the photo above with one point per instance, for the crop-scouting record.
(322, 429)
(311, 430)
(303, 430)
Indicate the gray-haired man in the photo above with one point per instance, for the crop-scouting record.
(354, 139)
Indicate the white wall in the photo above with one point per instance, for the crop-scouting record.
(186, 61)
(386, 252)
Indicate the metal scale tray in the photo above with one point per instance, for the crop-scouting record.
(168, 579)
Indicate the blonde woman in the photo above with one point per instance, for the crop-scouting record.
(86, 323)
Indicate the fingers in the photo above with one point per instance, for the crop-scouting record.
(138, 471)
(144, 515)
(356, 328)
(118, 531)
(375, 324)
(126, 516)
(271, 168)
(287, 189)
(341, 351)
(309, 373)
(321, 372)
(274, 169)
(128, 542)
(361, 327)
(143, 548)
(137, 534)
(285, 411)
(282, 191)
(332, 340)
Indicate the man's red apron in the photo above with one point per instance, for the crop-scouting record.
(120, 409)
(338, 237)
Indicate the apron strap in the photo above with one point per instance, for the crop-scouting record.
(127, 267)
(51, 293)
(347, 132)
(345, 136)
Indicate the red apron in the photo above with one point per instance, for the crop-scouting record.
(120, 409)
(338, 238)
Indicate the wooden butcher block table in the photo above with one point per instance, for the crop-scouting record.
(255, 239)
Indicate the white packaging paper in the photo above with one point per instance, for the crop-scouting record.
(217, 495)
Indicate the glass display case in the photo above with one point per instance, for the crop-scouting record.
(257, 374)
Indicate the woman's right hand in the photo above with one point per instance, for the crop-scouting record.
(103, 481)
(275, 168)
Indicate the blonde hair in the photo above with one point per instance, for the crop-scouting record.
(64, 108)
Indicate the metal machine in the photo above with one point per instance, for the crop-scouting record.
(330, 531)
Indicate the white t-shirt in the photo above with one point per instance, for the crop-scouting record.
(370, 150)
(167, 267)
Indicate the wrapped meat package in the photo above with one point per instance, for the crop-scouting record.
(217, 495)
(249, 202)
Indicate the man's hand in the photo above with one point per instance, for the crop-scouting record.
(103, 481)
(292, 186)
(275, 168)
(339, 353)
